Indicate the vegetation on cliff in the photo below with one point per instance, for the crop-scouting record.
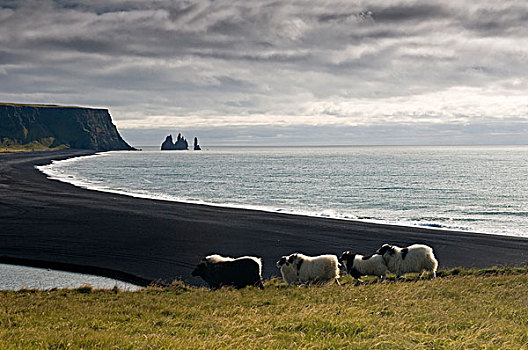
(48, 127)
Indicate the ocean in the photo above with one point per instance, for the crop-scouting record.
(15, 277)
(475, 188)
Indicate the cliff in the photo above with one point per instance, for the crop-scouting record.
(56, 127)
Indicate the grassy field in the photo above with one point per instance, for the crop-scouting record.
(37, 105)
(485, 309)
(45, 144)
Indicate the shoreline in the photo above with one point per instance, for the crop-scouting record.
(54, 222)
(91, 187)
(86, 184)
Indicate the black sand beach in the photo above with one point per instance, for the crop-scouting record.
(52, 224)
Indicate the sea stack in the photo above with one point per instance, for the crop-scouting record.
(196, 145)
(180, 144)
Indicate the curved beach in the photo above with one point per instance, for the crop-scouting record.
(48, 223)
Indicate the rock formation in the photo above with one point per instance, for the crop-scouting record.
(180, 144)
(168, 144)
(54, 127)
(196, 145)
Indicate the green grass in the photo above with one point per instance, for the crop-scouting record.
(44, 144)
(476, 309)
(10, 104)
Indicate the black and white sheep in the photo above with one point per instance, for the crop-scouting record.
(358, 265)
(303, 269)
(220, 271)
(414, 258)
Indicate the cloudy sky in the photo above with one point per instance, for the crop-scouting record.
(277, 72)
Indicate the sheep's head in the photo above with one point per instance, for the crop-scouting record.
(293, 258)
(347, 259)
(283, 261)
(287, 260)
(386, 248)
(200, 269)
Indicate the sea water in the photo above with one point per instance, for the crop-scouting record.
(478, 189)
(14, 277)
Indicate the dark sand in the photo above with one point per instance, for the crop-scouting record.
(52, 224)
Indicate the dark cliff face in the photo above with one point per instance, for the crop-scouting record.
(74, 127)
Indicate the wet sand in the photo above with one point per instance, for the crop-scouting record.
(47, 223)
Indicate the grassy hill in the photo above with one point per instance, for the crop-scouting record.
(485, 309)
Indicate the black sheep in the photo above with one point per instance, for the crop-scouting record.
(220, 271)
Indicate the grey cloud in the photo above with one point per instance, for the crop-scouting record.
(418, 11)
(7, 57)
(255, 57)
(336, 17)
(83, 45)
(224, 58)
(504, 21)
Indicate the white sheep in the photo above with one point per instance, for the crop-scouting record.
(358, 265)
(315, 269)
(414, 258)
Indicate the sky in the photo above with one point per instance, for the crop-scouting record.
(308, 72)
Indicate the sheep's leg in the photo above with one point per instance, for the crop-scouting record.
(383, 277)
(431, 272)
(337, 281)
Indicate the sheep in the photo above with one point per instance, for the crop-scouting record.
(288, 271)
(220, 271)
(358, 265)
(315, 269)
(414, 258)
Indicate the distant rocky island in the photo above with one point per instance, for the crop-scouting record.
(50, 127)
(180, 144)
(196, 145)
